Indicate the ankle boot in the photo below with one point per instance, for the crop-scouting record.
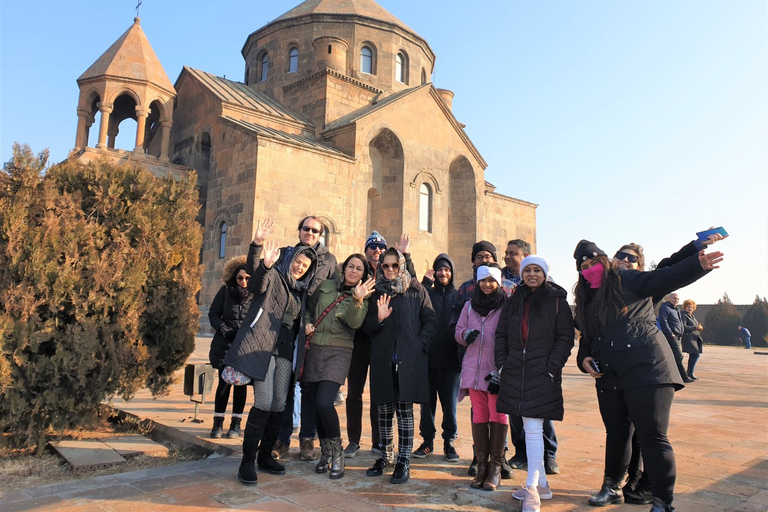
(266, 460)
(337, 459)
(481, 438)
(234, 428)
(496, 453)
(254, 430)
(609, 494)
(326, 455)
(218, 426)
(660, 505)
(638, 490)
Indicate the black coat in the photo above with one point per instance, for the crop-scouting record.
(692, 342)
(671, 322)
(443, 351)
(407, 332)
(228, 309)
(631, 351)
(531, 380)
(254, 344)
(325, 268)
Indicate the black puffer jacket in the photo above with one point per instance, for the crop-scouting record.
(443, 354)
(631, 351)
(255, 341)
(407, 332)
(531, 380)
(227, 311)
(324, 269)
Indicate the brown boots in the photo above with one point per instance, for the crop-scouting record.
(489, 441)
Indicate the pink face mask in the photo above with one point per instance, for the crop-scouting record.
(594, 275)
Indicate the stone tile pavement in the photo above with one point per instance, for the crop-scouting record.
(719, 431)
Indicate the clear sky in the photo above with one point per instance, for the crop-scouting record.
(625, 121)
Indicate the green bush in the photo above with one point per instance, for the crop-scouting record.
(722, 322)
(99, 267)
(756, 320)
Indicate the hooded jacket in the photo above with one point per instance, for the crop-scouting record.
(227, 309)
(324, 269)
(443, 353)
(255, 342)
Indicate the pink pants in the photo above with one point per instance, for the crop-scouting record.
(484, 407)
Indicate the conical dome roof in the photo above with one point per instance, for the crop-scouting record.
(131, 56)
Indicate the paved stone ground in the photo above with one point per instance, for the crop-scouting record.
(719, 431)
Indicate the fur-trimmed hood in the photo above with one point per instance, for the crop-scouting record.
(231, 268)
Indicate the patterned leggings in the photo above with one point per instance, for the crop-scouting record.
(404, 412)
(270, 394)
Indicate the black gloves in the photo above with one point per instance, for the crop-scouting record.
(228, 332)
(471, 336)
(494, 382)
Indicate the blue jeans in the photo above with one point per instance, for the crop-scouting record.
(443, 384)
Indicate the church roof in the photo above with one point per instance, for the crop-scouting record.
(288, 138)
(239, 94)
(363, 8)
(131, 56)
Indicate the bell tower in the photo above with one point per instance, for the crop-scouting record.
(127, 81)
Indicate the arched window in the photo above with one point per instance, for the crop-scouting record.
(423, 76)
(324, 237)
(293, 60)
(401, 68)
(366, 60)
(425, 208)
(264, 67)
(222, 240)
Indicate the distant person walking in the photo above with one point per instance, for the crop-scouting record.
(745, 336)
(692, 342)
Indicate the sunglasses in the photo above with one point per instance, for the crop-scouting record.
(621, 255)
(307, 229)
(393, 266)
(380, 247)
(243, 278)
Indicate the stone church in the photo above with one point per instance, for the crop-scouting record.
(336, 117)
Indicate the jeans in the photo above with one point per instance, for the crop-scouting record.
(445, 385)
(518, 437)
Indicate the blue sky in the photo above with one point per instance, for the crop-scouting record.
(641, 121)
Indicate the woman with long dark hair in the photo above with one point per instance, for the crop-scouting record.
(336, 309)
(534, 339)
(634, 368)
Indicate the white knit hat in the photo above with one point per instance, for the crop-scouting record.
(535, 260)
(484, 271)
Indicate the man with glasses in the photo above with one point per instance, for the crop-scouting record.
(671, 323)
(375, 246)
(311, 229)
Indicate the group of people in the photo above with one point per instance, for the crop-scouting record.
(502, 338)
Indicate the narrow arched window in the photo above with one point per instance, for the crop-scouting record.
(401, 67)
(222, 240)
(366, 60)
(423, 76)
(264, 67)
(293, 60)
(425, 208)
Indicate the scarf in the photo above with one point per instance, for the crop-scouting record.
(483, 304)
(397, 285)
(594, 275)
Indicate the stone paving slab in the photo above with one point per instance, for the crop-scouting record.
(719, 430)
(135, 444)
(87, 454)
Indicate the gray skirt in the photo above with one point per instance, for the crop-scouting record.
(327, 363)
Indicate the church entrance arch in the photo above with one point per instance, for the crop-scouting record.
(385, 198)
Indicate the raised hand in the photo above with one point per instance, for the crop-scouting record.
(271, 253)
(404, 243)
(384, 309)
(263, 231)
(710, 260)
(430, 274)
(713, 238)
(364, 289)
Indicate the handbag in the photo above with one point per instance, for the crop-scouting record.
(317, 322)
(234, 377)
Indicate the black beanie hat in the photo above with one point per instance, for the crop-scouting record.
(484, 245)
(586, 250)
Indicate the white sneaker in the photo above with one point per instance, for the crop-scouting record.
(545, 493)
(531, 500)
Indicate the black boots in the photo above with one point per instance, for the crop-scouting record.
(638, 490)
(609, 494)
(218, 426)
(337, 459)
(326, 456)
(660, 505)
(482, 439)
(254, 430)
(265, 459)
(234, 428)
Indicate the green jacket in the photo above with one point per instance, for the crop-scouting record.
(338, 327)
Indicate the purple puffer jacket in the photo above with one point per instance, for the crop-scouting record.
(478, 360)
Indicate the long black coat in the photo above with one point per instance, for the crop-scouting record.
(443, 352)
(631, 350)
(531, 380)
(407, 332)
(254, 344)
(226, 309)
(692, 342)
